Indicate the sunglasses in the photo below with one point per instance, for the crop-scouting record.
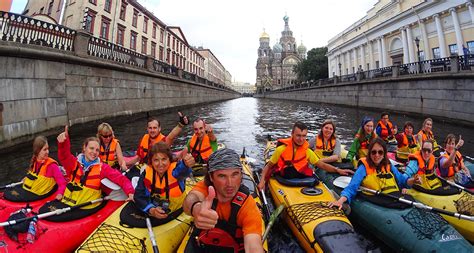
(106, 136)
(374, 152)
(427, 150)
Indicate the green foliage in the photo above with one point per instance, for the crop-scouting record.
(315, 66)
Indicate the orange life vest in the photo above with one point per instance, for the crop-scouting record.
(145, 144)
(90, 179)
(296, 159)
(200, 148)
(36, 180)
(41, 171)
(429, 180)
(167, 187)
(383, 181)
(426, 136)
(386, 129)
(455, 165)
(325, 150)
(406, 143)
(107, 154)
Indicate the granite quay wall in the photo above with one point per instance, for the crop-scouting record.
(42, 89)
(448, 95)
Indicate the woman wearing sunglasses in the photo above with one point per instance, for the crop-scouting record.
(110, 150)
(421, 167)
(376, 172)
(451, 164)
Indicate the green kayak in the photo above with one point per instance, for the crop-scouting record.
(405, 230)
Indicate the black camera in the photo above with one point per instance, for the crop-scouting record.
(165, 206)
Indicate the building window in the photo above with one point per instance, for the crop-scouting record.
(120, 34)
(421, 56)
(89, 21)
(161, 54)
(162, 35)
(453, 49)
(135, 18)
(168, 41)
(41, 10)
(50, 7)
(168, 57)
(153, 49)
(94, 2)
(153, 33)
(145, 24)
(123, 10)
(108, 5)
(144, 42)
(470, 46)
(133, 40)
(436, 53)
(174, 43)
(104, 28)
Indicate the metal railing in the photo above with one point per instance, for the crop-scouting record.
(109, 51)
(27, 30)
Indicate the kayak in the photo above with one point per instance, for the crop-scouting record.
(317, 227)
(454, 203)
(248, 181)
(54, 236)
(115, 236)
(405, 230)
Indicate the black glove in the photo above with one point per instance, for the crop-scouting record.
(183, 119)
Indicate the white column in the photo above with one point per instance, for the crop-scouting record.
(355, 60)
(426, 45)
(362, 57)
(379, 42)
(457, 30)
(371, 55)
(411, 50)
(471, 11)
(405, 45)
(439, 31)
(384, 52)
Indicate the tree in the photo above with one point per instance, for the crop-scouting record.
(315, 66)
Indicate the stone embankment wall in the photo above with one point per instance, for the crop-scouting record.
(445, 95)
(42, 89)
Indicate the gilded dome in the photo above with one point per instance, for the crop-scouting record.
(264, 35)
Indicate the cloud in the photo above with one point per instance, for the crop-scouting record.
(231, 29)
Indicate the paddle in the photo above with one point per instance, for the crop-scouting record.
(264, 198)
(344, 181)
(456, 185)
(272, 220)
(3, 187)
(152, 235)
(114, 195)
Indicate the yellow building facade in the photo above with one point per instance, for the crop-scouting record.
(397, 32)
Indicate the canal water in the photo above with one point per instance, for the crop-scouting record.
(239, 123)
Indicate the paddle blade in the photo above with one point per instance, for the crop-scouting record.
(342, 181)
(117, 195)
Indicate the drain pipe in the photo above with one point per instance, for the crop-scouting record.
(61, 16)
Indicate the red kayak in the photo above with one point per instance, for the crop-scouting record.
(51, 236)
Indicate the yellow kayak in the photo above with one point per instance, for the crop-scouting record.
(248, 181)
(113, 236)
(461, 203)
(316, 227)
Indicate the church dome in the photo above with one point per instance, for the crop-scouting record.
(301, 48)
(264, 35)
(277, 48)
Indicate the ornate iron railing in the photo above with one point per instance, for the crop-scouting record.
(27, 30)
(109, 51)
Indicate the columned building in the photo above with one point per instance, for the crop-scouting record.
(275, 66)
(402, 31)
(125, 23)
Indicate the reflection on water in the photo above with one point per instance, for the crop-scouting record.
(238, 123)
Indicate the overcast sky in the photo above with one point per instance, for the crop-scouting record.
(231, 29)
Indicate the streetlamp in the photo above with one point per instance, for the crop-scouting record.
(340, 72)
(417, 42)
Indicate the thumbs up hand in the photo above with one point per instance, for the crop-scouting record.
(204, 216)
(188, 158)
(64, 135)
